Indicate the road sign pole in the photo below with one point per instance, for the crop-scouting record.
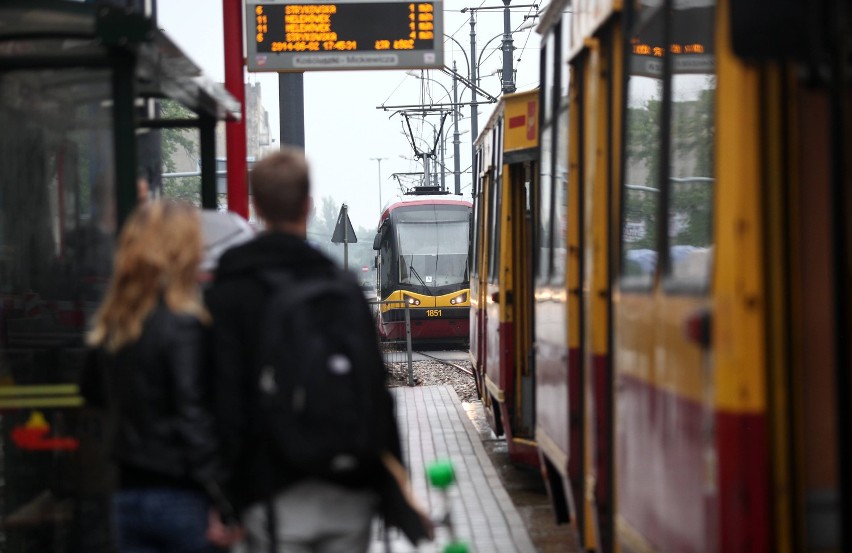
(344, 233)
(345, 210)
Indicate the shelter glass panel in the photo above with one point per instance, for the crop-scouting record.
(57, 230)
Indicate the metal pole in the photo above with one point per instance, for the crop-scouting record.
(345, 238)
(408, 345)
(456, 160)
(291, 107)
(207, 142)
(508, 49)
(124, 125)
(235, 131)
(427, 175)
(474, 123)
(379, 159)
(443, 169)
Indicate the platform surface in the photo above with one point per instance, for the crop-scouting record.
(434, 426)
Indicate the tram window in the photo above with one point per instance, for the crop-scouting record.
(386, 266)
(498, 146)
(564, 45)
(495, 205)
(477, 216)
(490, 195)
(548, 81)
(642, 149)
(690, 194)
(560, 198)
(433, 252)
(545, 186)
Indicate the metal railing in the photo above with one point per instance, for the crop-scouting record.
(395, 351)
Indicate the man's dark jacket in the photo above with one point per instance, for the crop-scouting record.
(237, 300)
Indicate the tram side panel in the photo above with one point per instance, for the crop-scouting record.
(557, 323)
(725, 258)
(487, 223)
(507, 150)
(519, 140)
(557, 360)
(691, 404)
(477, 287)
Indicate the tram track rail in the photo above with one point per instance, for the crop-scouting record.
(456, 366)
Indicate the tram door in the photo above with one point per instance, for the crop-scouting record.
(806, 145)
(492, 312)
(600, 165)
(520, 177)
(479, 272)
(816, 319)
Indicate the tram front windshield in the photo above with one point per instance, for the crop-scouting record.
(433, 247)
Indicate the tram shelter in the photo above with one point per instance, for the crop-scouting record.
(77, 84)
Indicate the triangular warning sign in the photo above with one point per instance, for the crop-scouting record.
(344, 225)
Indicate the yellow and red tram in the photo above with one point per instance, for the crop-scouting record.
(422, 249)
(665, 299)
(501, 270)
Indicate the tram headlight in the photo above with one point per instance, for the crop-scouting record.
(412, 302)
(461, 298)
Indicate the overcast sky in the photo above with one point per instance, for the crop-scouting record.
(343, 128)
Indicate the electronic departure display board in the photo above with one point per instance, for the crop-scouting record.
(288, 35)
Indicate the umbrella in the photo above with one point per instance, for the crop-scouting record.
(221, 230)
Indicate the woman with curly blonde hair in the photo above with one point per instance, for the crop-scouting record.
(147, 371)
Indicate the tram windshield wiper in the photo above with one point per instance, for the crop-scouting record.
(411, 270)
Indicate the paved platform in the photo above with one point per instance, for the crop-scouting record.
(433, 425)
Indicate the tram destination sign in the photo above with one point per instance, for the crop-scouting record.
(288, 35)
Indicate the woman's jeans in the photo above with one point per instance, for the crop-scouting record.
(162, 520)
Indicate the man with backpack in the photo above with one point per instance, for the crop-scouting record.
(298, 384)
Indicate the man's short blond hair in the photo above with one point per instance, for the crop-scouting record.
(281, 185)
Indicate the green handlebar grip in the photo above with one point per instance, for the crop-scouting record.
(457, 547)
(441, 474)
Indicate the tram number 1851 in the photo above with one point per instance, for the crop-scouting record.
(433, 312)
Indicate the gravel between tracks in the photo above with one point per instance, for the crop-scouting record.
(434, 373)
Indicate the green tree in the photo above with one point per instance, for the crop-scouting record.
(323, 219)
(321, 225)
(181, 188)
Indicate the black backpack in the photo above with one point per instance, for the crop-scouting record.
(321, 380)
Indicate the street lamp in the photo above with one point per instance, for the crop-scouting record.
(379, 159)
(508, 82)
(523, 27)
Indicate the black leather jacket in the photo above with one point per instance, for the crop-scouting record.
(155, 392)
